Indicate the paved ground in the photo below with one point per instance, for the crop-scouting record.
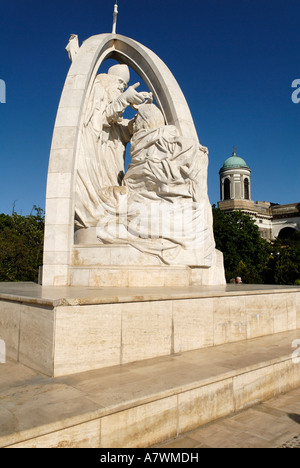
(273, 424)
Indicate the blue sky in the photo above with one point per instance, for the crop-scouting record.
(235, 61)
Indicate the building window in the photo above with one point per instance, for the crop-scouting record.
(227, 189)
(246, 189)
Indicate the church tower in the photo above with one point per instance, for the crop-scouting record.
(235, 184)
(273, 220)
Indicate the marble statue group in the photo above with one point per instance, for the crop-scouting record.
(160, 206)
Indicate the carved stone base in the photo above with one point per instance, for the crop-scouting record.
(125, 266)
(61, 331)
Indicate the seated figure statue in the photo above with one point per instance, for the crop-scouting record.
(162, 207)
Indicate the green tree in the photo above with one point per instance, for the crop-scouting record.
(245, 252)
(21, 245)
(283, 265)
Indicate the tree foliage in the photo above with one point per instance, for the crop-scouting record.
(245, 252)
(21, 245)
(283, 265)
(247, 255)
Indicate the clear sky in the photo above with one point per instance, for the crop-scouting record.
(235, 61)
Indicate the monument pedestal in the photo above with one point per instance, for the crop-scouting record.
(61, 331)
(133, 367)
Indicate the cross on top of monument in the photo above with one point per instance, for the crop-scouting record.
(115, 14)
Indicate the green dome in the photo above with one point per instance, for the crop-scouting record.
(234, 162)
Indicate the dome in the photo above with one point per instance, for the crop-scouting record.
(234, 162)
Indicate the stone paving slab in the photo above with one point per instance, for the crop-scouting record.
(273, 424)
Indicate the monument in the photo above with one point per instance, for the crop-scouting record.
(133, 338)
(151, 226)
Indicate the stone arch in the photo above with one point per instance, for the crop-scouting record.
(282, 225)
(59, 225)
(286, 232)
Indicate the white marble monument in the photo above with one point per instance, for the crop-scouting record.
(151, 226)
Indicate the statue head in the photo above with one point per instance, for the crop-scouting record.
(120, 71)
(149, 117)
(115, 80)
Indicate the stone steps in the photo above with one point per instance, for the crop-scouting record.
(143, 403)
